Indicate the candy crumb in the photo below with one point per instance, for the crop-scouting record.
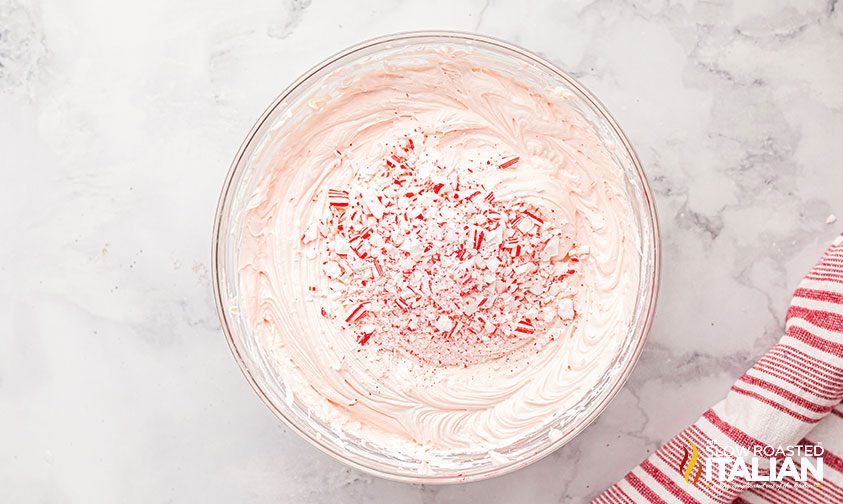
(422, 258)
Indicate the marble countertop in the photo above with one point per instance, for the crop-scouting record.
(118, 121)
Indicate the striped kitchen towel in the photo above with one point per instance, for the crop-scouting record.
(778, 435)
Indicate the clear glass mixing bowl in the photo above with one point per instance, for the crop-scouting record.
(252, 160)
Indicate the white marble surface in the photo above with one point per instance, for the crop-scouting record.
(118, 121)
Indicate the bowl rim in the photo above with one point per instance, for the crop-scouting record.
(649, 309)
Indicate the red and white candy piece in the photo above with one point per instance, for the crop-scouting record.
(513, 246)
(477, 238)
(377, 269)
(525, 326)
(364, 337)
(527, 222)
(509, 162)
(356, 313)
(533, 217)
(338, 199)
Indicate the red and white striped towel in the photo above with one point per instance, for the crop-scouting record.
(783, 400)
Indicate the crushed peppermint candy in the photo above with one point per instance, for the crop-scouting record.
(423, 259)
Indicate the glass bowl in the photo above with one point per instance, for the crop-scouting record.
(256, 363)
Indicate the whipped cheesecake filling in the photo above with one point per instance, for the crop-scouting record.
(441, 258)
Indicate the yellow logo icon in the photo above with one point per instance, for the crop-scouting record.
(686, 467)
